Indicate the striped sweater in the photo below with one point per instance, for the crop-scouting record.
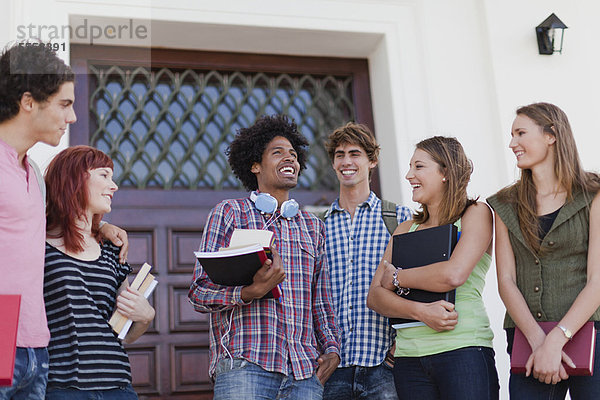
(80, 297)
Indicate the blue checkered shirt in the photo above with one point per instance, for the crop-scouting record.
(354, 249)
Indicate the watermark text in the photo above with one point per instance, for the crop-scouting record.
(85, 31)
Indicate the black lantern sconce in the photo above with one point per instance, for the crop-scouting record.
(546, 35)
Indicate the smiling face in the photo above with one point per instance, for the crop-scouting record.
(279, 167)
(425, 178)
(530, 144)
(49, 119)
(351, 165)
(101, 189)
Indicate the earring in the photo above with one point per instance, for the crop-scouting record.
(444, 179)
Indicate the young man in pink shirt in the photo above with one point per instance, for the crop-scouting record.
(36, 105)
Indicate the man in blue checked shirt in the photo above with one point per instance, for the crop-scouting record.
(356, 240)
(267, 348)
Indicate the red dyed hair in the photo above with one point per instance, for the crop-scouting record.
(67, 194)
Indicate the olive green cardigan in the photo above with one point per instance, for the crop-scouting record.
(551, 279)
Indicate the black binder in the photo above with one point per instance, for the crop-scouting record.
(419, 248)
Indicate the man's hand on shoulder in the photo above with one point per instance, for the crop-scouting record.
(119, 238)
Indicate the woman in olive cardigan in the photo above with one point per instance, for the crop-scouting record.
(548, 252)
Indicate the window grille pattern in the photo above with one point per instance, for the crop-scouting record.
(167, 128)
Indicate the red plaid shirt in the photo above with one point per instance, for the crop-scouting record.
(286, 336)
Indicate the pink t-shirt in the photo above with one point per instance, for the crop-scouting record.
(22, 238)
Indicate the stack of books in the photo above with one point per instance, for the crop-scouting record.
(145, 283)
(237, 264)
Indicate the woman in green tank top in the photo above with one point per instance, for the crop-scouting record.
(451, 355)
(548, 252)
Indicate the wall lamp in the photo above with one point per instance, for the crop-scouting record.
(546, 33)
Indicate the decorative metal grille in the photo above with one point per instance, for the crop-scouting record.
(168, 128)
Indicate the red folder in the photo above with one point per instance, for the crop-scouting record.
(9, 322)
(580, 349)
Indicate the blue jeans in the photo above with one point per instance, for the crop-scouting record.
(124, 393)
(350, 383)
(248, 381)
(467, 373)
(30, 375)
(579, 387)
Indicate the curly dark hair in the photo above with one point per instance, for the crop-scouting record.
(29, 67)
(250, 143)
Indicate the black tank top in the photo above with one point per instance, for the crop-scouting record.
(546, 222)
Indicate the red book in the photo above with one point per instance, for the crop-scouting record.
(9, 322)
(580, 349)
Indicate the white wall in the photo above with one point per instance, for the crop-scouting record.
(450, 67)
(569, 80)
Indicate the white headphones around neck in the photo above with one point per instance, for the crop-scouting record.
(267, 204)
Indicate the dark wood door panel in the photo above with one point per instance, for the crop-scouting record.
(144, 368)
(142, 247)
(182, 244)
(190, 372)
(183, 318)
(171, 359)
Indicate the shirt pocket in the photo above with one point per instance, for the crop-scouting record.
(301, 266)
(307, 248)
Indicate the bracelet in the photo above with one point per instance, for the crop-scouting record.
(395, 282)
(567, 332)
(400, 291)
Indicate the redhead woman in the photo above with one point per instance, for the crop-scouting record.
(548, 252)
(451, 357)
(84, 283)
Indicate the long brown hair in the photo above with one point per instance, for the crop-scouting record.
(567, 168)
(67, 194)
(453, 163)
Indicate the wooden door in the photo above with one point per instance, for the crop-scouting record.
(167, 141)
(171, 359)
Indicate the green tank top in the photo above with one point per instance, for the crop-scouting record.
(473, 328)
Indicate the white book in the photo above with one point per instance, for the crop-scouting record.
(246, 237)
(225, 252)
(408, 325)
(129, 322)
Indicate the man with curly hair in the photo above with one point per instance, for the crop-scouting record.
(36, 105)
(266, 347)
